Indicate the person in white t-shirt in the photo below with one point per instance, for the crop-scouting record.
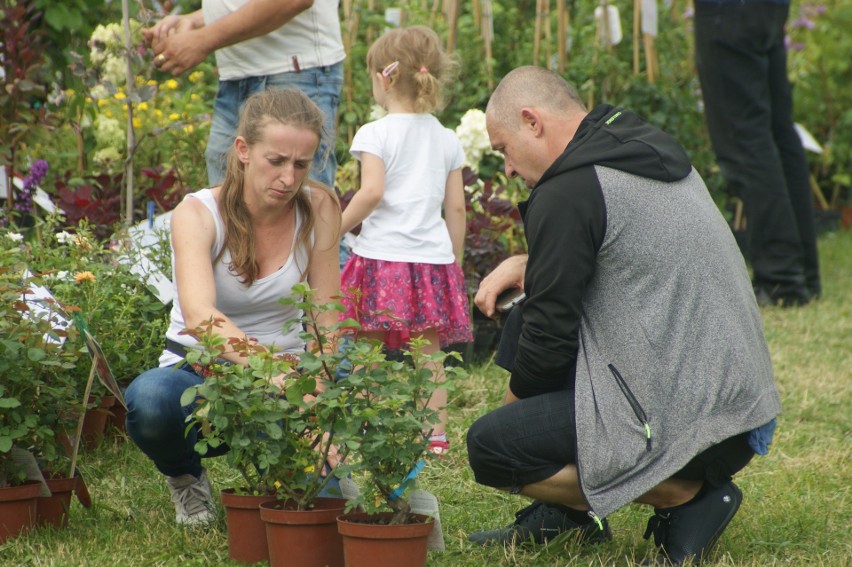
(259, 44)
(404, 277)
(237, 249)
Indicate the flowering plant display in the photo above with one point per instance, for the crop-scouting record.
(85, 276)
(37, 359)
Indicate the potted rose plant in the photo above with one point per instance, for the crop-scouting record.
(389, 444)
(278, 414)
(35, 361)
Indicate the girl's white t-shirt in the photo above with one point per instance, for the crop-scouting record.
(254, 309)
(419, 154)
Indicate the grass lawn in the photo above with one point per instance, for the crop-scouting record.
(796, 509)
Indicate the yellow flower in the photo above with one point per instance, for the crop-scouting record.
(189, 128)
(120, 96)
(108, 113)
(310, 469)
(171, 84)
(102, 102)
(143, 106)
(140, 80)
(137, 123)
(194, 96)
(276, 484)
(174, 116)
(196, 76)
(152, 83)
(81, 277)
(69, 92)
(158, 113)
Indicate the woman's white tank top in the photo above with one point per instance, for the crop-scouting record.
(255, 309)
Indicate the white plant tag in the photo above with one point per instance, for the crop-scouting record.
(423, 502)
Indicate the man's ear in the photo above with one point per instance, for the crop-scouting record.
(531, 121)
(242, 149)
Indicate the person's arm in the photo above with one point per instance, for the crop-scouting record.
(369, 195)
(173, 24)
(565, 225)
(193, 234)
(324, 270)
(454, 212)
(510, 273)
(183, 51)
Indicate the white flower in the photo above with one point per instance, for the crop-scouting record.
(15, 237)
(108, 132)
(64, 237)
(473, 136)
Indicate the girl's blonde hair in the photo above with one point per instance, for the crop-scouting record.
(289, 107)
(423, 69)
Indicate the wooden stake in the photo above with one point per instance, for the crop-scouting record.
(487, 24)
(453, 22)
(637, 14)
(79, 436)
(548, 35)
(561, 35)
(537, 37)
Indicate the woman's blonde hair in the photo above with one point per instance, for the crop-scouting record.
(423, 68)
(289, 107)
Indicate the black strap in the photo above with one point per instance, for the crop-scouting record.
(175, 347)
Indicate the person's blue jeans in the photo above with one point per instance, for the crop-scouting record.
(321, 84)
(156, 421)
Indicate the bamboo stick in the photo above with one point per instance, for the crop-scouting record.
(548, 35)
(487, 25)
(637, 13)
(453, 21)
(561, 35)
(537, 37)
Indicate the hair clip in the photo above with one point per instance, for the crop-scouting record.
(390, 69)
(424, 69)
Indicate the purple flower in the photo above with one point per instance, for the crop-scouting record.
(24, 201)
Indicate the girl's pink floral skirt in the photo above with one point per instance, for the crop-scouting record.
(405, 298)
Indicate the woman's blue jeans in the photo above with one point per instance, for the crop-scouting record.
(156, 421)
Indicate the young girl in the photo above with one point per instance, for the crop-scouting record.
(404, 278)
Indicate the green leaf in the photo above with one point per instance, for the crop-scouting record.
(7, 403)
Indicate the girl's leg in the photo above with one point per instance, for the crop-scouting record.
(438, 401)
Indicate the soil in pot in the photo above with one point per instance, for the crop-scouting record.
(246, 531)
(304, 538)
(53, 510)
(369, 541)
(18, 509)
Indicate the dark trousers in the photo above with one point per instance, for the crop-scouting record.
(530, 440)
(742, 66)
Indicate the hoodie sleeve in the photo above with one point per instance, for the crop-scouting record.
(565, 223)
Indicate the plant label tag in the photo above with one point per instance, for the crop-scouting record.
(27, 461)
(349, 488)
(423, 502)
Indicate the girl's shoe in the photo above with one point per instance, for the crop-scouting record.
(439, 448)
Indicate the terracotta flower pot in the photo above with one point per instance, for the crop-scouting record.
(246, 531)
(304, 538)
(368, 540)
(94, 423)
(53, 510)
(18, 509)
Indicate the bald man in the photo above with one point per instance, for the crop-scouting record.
(639, 369)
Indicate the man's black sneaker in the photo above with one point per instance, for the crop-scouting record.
(539, 523)
(686, 533)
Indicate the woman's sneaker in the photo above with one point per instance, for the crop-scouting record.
(686, 533)
(193, 499)
(539, 523)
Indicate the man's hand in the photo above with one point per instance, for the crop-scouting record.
(178, 45)
(510, 273)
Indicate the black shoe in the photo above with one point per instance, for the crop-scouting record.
(765, 298)
(687, 532)
(539, 523)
